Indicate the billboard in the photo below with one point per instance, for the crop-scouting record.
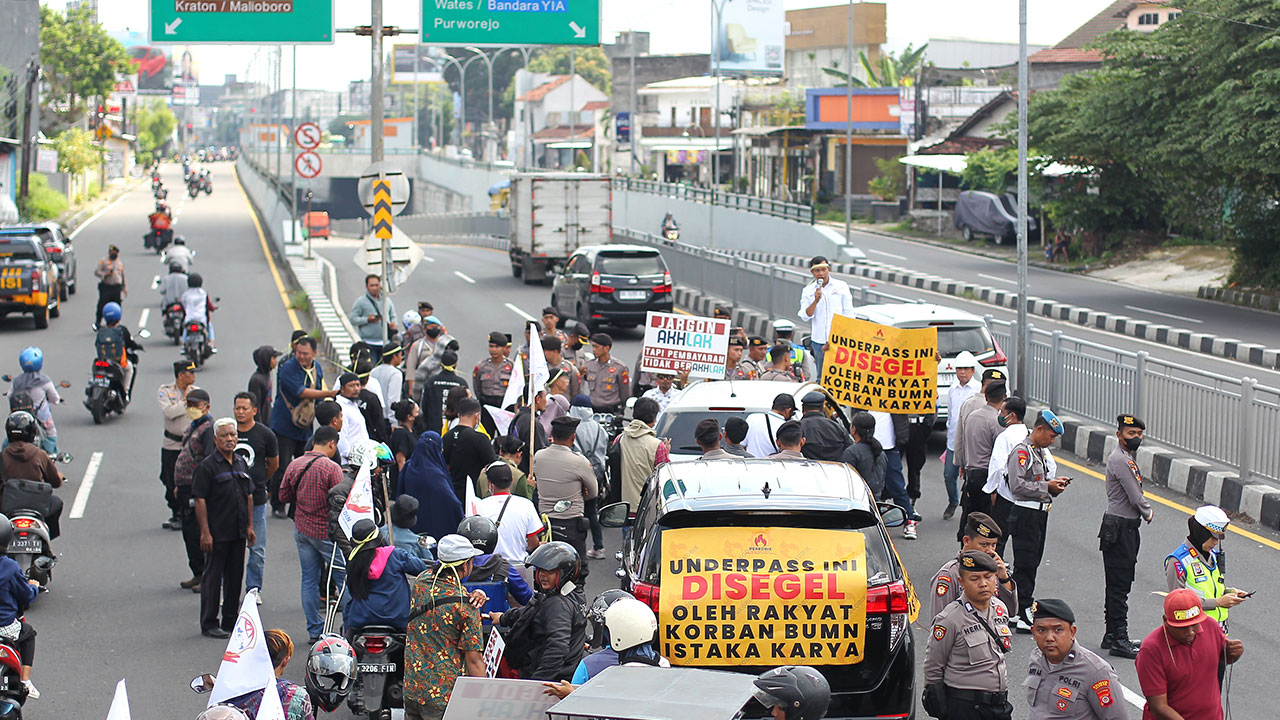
(751, 38)
(154, 64)
(428, 68)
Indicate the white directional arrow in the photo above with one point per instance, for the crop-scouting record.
(578, 30)
(171, 28)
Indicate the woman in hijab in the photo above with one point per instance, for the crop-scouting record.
(376, 579)
(426, 477)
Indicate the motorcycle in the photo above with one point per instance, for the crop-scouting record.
(379, 683)
(13, 692)
(671, 233)
(157, 240)
(106, 392)
(27, 503)
(174, 316)
(195, 346)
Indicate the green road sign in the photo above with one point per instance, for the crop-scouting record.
(258, 22)
(511, 22)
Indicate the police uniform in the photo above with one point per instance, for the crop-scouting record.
(1030, 469)
(964, 668)
(1081, 687)
(946, 582)
(490, 377)
(738, 372)
(753, 367)
(1118, 539)
(781, 375)
(609, 380)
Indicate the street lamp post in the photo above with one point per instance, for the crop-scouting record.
(488, 61)
(717, 18)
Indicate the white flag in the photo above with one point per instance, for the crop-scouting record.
(539, 374)
(246, 664)
(515, 387)
(501, 419)
(120, 704)
(359, 503)
(470, 504)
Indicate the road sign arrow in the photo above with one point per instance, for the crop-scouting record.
(171, 28)
(381, 203)
(578, 30)
(382, 229)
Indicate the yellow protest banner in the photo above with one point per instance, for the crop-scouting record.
(762, 596)
(877, 367)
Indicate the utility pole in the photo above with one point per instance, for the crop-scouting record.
(28, 146)
(293, 166)
(375, 95)
(631, 118)
(573, 108)
(848, 138)
(279, 103)
(1020, 363)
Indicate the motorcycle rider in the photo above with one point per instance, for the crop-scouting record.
(669, 223)
(161, 223)
(547, 636)
(173, 285)
(23, 460)
(376, 579)
(113, 342)
(338, 493)
(490, 566)
(16, 594)
(179, 253)
(42, 392)
(198, 307)
(794, 692)
(630, 627)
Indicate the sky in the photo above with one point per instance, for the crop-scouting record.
(673, 30)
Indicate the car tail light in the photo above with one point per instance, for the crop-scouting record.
(596, 287)
(646, 593)
(35, 281)
(54, 249)
(23, 522)
(665, 287)
(997, 359)
(101, 364)
(892, 600)
(375, 644)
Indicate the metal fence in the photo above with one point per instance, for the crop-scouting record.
(1228, 420)
(735, 201)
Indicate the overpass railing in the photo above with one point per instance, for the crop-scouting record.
(719, 198)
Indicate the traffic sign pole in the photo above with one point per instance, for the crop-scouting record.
(293, 171)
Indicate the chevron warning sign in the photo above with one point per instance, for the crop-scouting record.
(382, 215)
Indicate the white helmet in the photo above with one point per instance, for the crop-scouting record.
(364, 454)
(630, 623)
(1212, 518)
(222, 712)
(965, 360)
(411, 318)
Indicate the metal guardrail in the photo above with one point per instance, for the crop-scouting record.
(735, 201)
(1228, 420)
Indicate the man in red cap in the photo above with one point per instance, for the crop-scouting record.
(1178, 662)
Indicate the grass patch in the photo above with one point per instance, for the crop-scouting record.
(298, 300)
(42, 202)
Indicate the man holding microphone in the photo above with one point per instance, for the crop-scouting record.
(823, 299)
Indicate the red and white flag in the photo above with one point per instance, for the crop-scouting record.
(246, 664)
(359, 503)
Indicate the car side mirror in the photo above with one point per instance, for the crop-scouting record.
(615, 515)
(203, 683)
(892, 515)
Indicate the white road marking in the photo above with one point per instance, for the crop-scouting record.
(86, 486)
(888, 254)
(521, 313)
(96, 215)
(142, 319)
(1135, 699)
(1163, 314)
(464, 276)
(428, 258)
(998, 279)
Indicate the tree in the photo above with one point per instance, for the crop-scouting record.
(76, 151)
(989, 169)
(892, 180)
(155, 123)
(80, 62)
(590, 63)
(893, 71)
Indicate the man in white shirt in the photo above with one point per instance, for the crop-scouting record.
(665, 392)
(762, 428)
(519, 524)
(1011, 415)
(353, 432)
(821, 300)
(388, 378)
(196, 306)
(963, 387)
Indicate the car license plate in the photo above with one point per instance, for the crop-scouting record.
(376, 667)
(626, 295)
(30, 545)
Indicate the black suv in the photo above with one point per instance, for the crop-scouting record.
(613, 285)
(763, 493)
(58, 247)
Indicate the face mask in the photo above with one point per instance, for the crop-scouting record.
(433, 332)
(1131, 444)
(195, 413)
(1002, 421)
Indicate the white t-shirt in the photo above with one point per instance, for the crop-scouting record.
(884, 431)
(195, 303)
(519, 522)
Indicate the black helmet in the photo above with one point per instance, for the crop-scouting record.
(179, 240)
(20, 425)
(481, 531)
(195, 280)
(554, 556)
(331, 669)
(6, 531)
(175, 267)
(801, 691)
(595, 615)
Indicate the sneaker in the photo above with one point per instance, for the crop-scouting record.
(192, 583)
(909, 532)
(279, 514)
(596, 554)
(1123, 647)
(949, 513)
(1023, 622)
(32, 692)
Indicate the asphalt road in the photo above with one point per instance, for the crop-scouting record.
(115, 609)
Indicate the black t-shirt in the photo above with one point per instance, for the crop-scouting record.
(402, 443)
(256, 445)
(466, 451)
(225, 490)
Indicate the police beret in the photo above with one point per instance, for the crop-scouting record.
(1051, 608)
(981, 525)
(565, 422)
(602, 339)
(735, 341)
(1125, 421)
(994, 374)
(756, 341)
(497, 338)
(1049, 419)
(977, 561)
(814, 398)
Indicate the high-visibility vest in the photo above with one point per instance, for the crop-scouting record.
(1205, 579)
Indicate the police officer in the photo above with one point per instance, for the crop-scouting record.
(801, 362)
(733, 367)
(824, 438)
(609, 379)
(1031, 480)
(964, 668)
(576, 350)
(1118, 538)
(779, 367)
(491, 375)
(755, 361)
(1200, 564)
(981, 534)
(551, 318)
(1066, 680)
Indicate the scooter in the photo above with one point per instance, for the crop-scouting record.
(13, 692)
(27, 503)
(106, 392)
(195, 346)
(157, 240)
(379, 683)
(174, 316)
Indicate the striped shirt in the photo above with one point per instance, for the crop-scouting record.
(306, 483)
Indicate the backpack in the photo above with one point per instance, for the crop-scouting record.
(110, 343)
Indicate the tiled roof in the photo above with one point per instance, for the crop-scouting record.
(562, 132)
(540, 92)
(1066, 55)
(596, 105)
(962, 146)
(1111, 18)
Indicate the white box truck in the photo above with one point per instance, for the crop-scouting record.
(553, 214)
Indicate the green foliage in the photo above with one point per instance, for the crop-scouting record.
(892, 180)
(590, 63)
(80, 62)
(990, 169)
(42, 202)
(155, 123)
(893, 70)
(76, 151)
